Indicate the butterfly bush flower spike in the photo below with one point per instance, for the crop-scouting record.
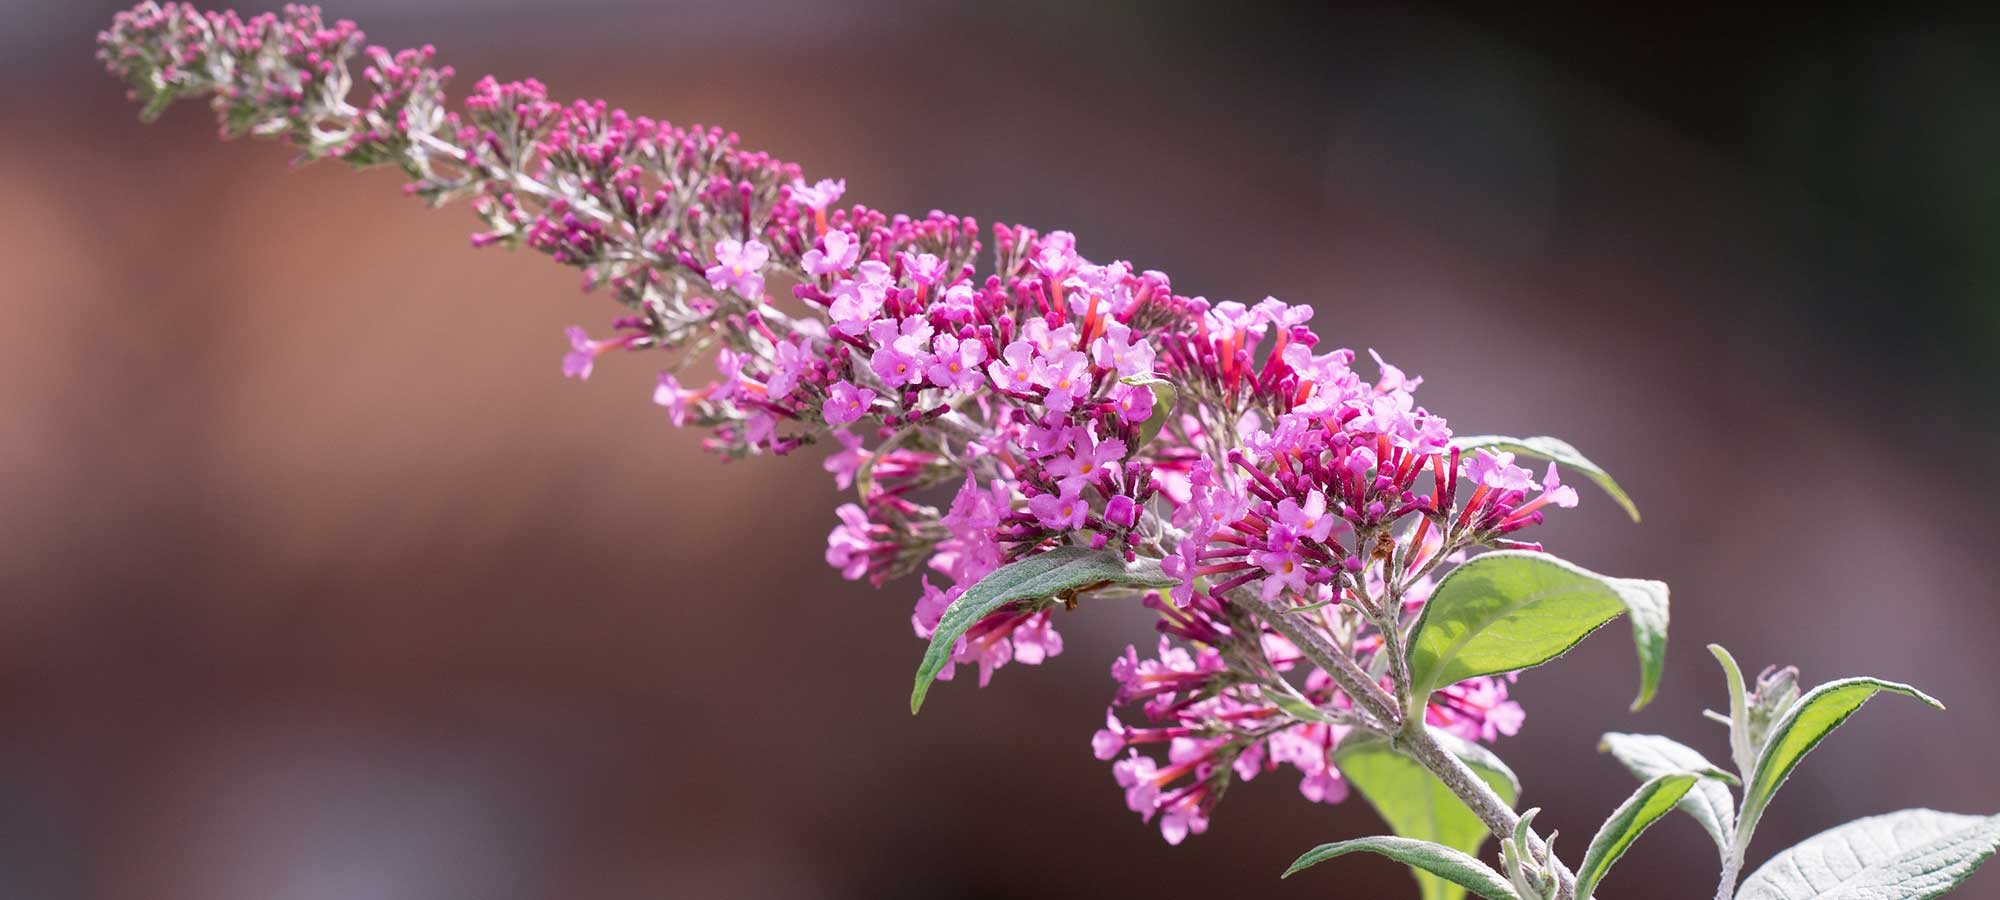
(985, 393)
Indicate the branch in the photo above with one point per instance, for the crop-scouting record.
(1339, 666)
(1410, 735)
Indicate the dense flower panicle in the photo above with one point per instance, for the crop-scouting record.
(982, 415)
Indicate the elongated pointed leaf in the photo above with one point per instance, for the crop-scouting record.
(1036, 578)
(1557, 451)
(1444, 862)
(1809, 721)
(1745, 756)
(1515, 609)
(1652, 800)
(1416, 804)
(1164, 399)
(1915, 854)
(1708, 802)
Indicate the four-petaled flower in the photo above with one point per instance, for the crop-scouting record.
(582, 355)
(791, 360)
(1067, 376)
(739, 267)
(1088, 459)
(1286, 570)
(901, 353)
(1554, 491)
(925, 269)
(583, 352)
(819, 195)
(844, 464)
(1497, 471)
(839, 253)
(846, 403)
(675, 398)
(1116, 351)
(857, 301)
(955, 363)
(1063, 511)
(1015, 369)
(1134, 402)
(1309, 520)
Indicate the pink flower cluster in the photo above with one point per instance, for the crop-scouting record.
(982, 415)
(1218, 699)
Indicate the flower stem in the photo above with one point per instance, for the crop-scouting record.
(1726, 889)
(1410, 735)
(1342, 668)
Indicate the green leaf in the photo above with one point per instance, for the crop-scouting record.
(1063, 570)
(1516, 609)
(1164, 398)
(1739, 714)
(1652, 800)
(1436, 859)
(1809, 721)
(1709, 802)
(1915, 854)
(1557, 451)
(1416, 804)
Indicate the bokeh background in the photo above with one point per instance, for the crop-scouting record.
(318, 581)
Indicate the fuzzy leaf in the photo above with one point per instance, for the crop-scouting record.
(1554, 450)
(1515, 609)
(1438, 860)
(1745, 756)
(1652, 800)
(1416, 804)
(1915, 854)
(1036, 578)
(1809, 721)
(1650, 756)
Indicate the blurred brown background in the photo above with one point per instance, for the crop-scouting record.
(318, 581)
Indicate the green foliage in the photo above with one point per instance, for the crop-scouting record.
(1038, 579)
(1740, 748)
(1651, 801)
(1555, 450)
(1708, 802)
(1439, 861)
(1915, 854)
(1513, 609)
(1419, 806)
(1802, 727)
